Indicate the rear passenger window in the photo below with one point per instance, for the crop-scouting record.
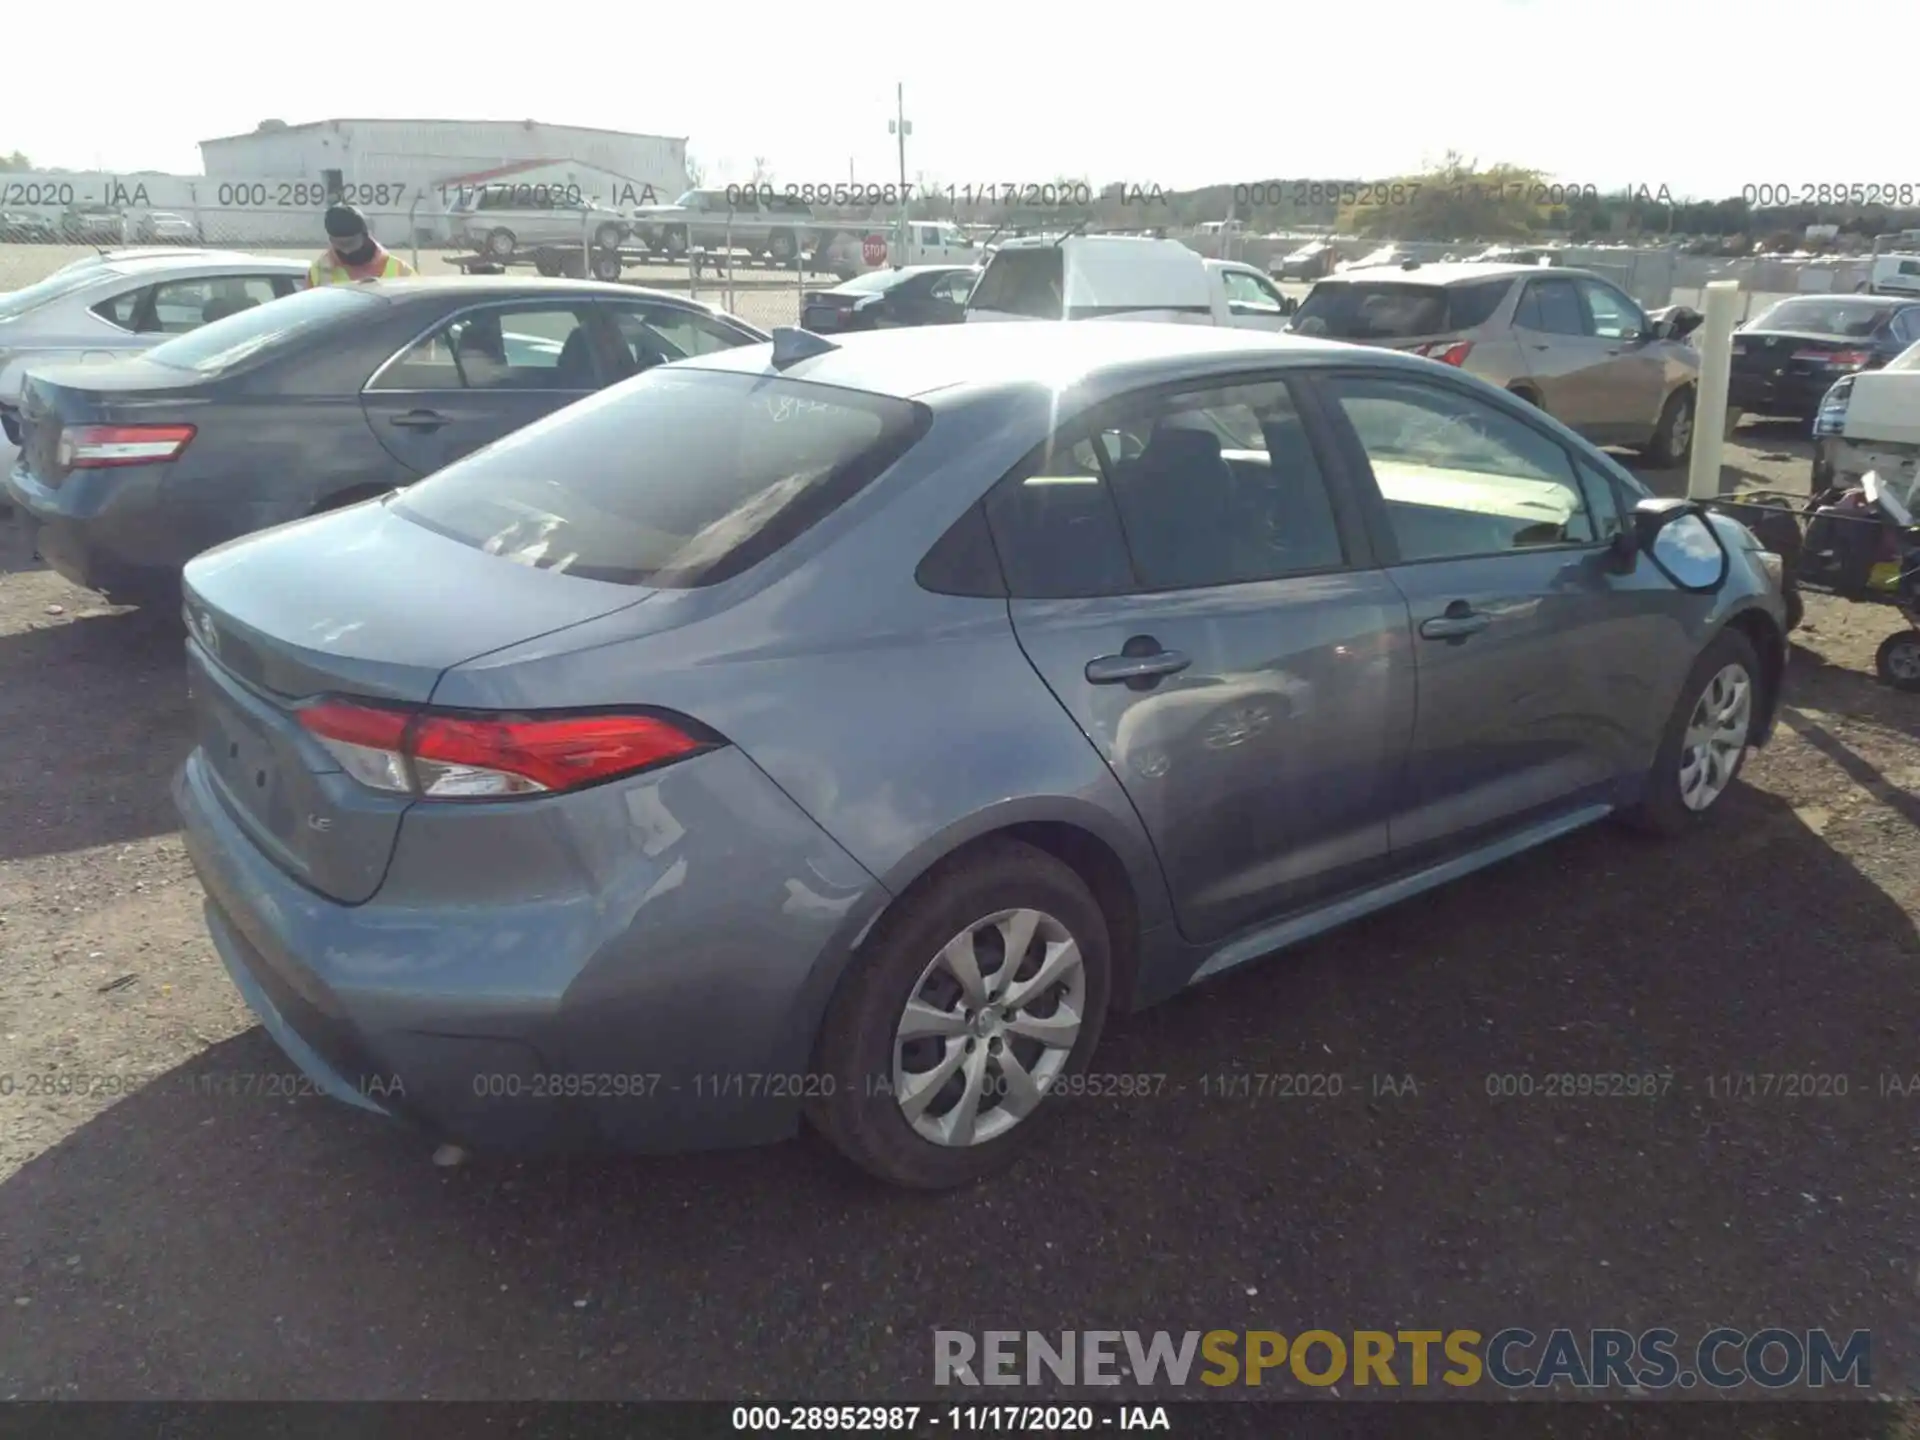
(122, 308)
(1551, 307)
(180, 306)
(1169, 492)
(534, 348)
(1055, 526)
(1221, 487)
(1459, 477)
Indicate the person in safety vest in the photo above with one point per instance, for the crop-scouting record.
(352, 253)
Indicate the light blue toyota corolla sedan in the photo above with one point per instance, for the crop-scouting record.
(839, 733)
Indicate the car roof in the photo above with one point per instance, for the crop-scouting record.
(905, 272)
(196, 262)
(507, 286)
(916, 361)
(1454, 272)
(1844, 297)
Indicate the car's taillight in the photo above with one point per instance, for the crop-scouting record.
(446, 756)
(1838, 359)
(1447, 352)
(98, 447)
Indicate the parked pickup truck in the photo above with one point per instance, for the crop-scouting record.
(1123, 277)
(737, 218)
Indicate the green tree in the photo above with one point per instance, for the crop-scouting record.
(1453, 200)
(16, 161)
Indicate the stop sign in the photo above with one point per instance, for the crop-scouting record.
(873, 250)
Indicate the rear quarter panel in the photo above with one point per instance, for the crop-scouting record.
(263, 459)
(904, 723)
(282, 439)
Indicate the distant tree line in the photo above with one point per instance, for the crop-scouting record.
(1456, 199)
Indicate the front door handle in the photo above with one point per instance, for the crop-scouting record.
(1124, 669)
(419, 420)
(1458, 623)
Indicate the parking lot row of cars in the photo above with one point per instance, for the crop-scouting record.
(1565, 341)
(97, 225)
(587, 702)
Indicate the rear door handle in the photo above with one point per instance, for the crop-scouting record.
(1456, 624)
(419, 420)
(1119, 669)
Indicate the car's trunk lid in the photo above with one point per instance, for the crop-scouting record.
(379, 611)
(120, 392)
(828, 309)
(1787, 353)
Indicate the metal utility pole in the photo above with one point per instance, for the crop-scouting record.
(901, 127)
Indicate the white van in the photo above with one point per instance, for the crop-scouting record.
(1894, 275)
(1122, 277)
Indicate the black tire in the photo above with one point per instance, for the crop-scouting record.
(547, 263)
(1821, 479)
(501, 243)
(608, 237)
(861, 1117)
(1661, 809)
(674, 242)
(1672, 442)
(606, 265)
(1779, 531)
(781, 247)
(1531, 398)
(1796, 608)
(1897, 661)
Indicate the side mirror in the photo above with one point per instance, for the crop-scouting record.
(1682, 543)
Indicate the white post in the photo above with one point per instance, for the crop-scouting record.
(1720, 301)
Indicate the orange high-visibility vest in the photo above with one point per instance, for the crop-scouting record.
(328, 270)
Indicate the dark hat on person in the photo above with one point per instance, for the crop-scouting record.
(344, 222)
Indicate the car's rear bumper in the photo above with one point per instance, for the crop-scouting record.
(1796, 395)
(101, 530)
(665, 999)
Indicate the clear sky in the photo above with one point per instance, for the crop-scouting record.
(1702, 97)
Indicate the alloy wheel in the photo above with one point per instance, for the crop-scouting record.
(1717, 735)
(989, 1027)
(1902, 660)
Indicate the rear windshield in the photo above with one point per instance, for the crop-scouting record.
(1812, 316)
(677, 478)
(1385, 310)
(240, 337)
(18, 302)
(1029, 282)
(872, 283)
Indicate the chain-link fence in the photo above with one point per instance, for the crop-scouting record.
(757, 275)
(757, 271)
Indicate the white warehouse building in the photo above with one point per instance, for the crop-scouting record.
(421, 154)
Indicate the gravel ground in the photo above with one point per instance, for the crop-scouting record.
(164, 1234)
